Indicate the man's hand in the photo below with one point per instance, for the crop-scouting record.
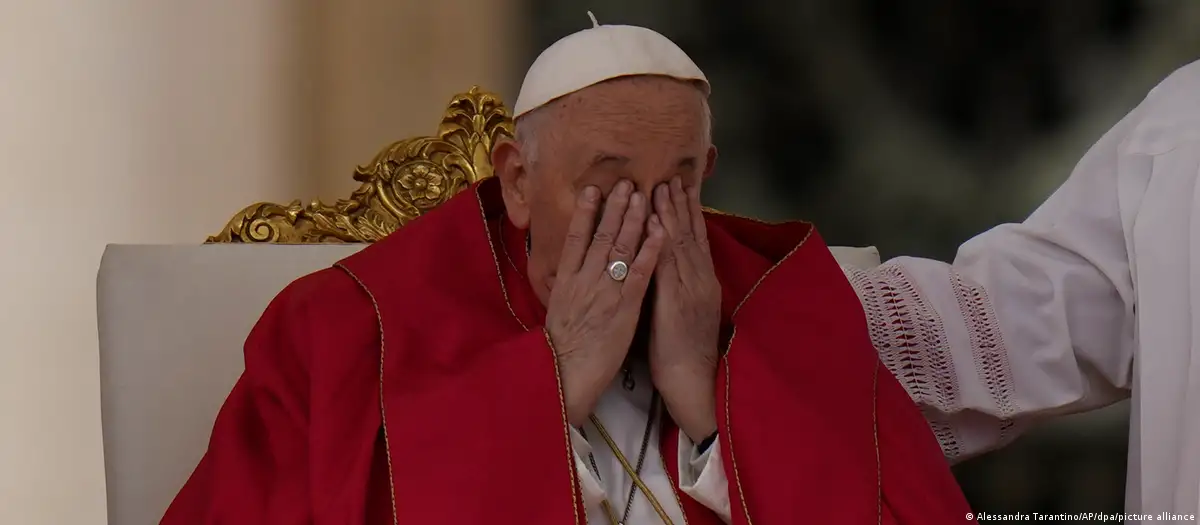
(687, 313)
(591, 317)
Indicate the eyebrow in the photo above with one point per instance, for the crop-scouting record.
(606, 158)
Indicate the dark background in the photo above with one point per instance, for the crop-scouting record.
(912, 126)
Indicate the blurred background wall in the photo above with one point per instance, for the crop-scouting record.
(907, 125)
(152, 121)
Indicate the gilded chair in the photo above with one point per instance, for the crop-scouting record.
(172, 319)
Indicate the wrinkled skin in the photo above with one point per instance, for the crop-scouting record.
(652, 132)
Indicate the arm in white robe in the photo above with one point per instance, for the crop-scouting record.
(1032, 319)
(701, 476)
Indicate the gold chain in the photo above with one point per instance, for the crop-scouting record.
(607, 506)
(628, 384)
(637, 480)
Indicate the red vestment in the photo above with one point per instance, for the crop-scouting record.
(413, 384)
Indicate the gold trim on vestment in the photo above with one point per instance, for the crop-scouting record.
(728, 423)
(728, 376)
(725, 356)
(387, 445)
(662, 459)
(576, 487)
(875, 431)
(574, 479)
(874, 380)
(729, 431)
(407, 179)
(562, 403)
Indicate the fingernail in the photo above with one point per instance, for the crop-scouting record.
(623, 186)
(636, 199)
(654, 220)
(591, 193)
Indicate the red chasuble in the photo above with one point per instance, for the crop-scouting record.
(413, 384)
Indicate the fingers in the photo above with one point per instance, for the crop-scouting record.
(680, 200)
(579, 232)
(699, 227)
(664, 207)
(671, 204)
(676, 226)
(631, 230)
(602, 240)
(643, 265)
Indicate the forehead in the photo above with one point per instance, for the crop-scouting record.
(634, 110)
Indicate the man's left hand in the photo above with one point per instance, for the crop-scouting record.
(687, 313)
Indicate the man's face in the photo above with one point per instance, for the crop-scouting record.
(646, 130)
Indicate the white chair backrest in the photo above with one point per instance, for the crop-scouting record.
(172, 323)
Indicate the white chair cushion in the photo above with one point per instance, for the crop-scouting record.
(172, 323)
(860, 258)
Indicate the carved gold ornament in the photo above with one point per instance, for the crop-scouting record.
(405, 179)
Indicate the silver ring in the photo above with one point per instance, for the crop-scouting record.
(618, 270)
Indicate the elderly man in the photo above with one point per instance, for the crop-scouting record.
(576, 341)
(1092, 298)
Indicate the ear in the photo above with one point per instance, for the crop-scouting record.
(510, 168)
(710, 163)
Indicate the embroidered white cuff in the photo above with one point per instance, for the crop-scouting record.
(702, 476)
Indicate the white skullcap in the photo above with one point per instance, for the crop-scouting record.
(602, 53)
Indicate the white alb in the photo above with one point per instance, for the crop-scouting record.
(1094, 298)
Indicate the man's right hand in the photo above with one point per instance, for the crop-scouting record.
(591, 317)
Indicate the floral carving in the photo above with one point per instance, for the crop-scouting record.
(422, 181)
(406, 179)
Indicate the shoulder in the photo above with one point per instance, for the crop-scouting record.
(420, 243)
(745, 251)
(320, 308)
(451, 241)
(1183, 82)
(772, 241)
(1168, 116)
(322, 323)
(321, 293)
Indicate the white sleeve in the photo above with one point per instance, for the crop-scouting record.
(1031, 319)
(593, 492)
(702, 476)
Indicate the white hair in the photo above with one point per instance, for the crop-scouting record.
(530, 128)
(527, 129)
